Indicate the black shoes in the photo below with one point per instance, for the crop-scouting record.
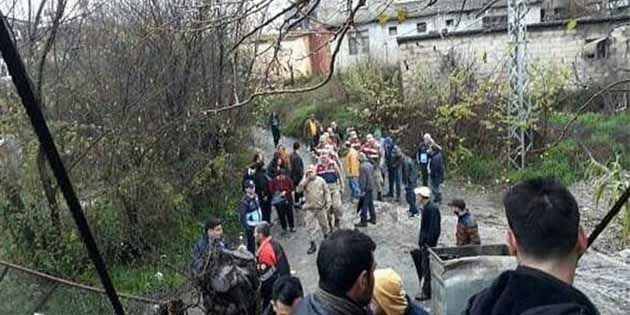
(372, 221)
(379, 196)
(361, 224)
(311, 250)
(292, 230)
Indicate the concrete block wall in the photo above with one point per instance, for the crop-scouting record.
(546, 45)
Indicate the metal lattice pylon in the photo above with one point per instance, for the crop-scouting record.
(519, 106)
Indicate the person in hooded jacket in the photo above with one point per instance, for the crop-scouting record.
(249, 214)
(261, 181)
(546, 237)
(389, 296)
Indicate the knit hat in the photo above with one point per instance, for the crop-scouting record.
(388, 292)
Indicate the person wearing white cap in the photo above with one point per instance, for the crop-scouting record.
(430, 229)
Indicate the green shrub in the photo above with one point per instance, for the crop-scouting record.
(480, 168)
(561, 162)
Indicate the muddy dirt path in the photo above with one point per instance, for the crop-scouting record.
(603, 274)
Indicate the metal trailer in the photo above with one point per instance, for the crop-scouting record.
(457, 273)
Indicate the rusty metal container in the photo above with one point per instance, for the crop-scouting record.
(457, 273)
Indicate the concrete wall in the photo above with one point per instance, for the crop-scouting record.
(548, 43)
(384, 49)
(294, 56)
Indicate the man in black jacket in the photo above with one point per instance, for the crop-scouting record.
(430, 229)
(546, 237)
(346, 264)
(297, 171)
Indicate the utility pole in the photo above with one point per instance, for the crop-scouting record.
(519, 112)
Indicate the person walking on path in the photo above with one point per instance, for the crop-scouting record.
(352, 164)
(312, 131)
(547, 239)
(410, 180)
(436, 172)
(261, 181)
(297, 171)
(281, 189)
(345, 264)
(249, 214)
(329, 170)
(393, 160)
(271, 262)
(430, 229)
(317, 201)
(422, 158)
(372, 150)
(467, 232)
(366, 184)
(390, 297)
(274, 122)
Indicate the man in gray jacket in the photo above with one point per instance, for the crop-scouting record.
(366, 184)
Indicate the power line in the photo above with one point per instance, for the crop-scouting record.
(23, 85)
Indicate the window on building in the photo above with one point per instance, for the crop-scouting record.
(393, 31)
(496, 21)
(450, 22)
(358, 43)
(421, 27)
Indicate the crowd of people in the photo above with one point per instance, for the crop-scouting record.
(543, 220)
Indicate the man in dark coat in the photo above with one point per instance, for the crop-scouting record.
(249, 214)
(366, 185)
(261, 181)
(213, 235)
(547, 239)
(274, 122)
(393, 160)
(410, 179)
(430, 229)
(297, 171)
(467, 232)
(436, 172)
(346, 264)
(422, 158)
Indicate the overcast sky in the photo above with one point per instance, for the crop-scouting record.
(20, 8)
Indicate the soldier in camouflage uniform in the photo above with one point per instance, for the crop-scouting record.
(317, 199)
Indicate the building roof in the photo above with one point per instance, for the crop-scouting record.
(414, 8)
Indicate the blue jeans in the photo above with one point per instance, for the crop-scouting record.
(435, 190)
(394, 176)
(355, 192)
(367, 206)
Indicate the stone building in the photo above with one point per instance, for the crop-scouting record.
(596, 49)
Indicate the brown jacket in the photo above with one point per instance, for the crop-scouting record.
(467, 231)
(316, 193)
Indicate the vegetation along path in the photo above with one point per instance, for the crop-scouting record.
(603, 275)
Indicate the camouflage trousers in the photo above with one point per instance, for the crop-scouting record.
(335, 212)
(316, 220)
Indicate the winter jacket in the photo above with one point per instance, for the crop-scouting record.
(297, 168)
(271, 261)
(316, 193)
(430, 225)
(409, 172)
(527, 291)
(274, 121)
(314, 304)
(436, 166)
(366, 177)
(352, 163)
(311, 128)
(261, 180)
(467, 231)
(200, 252)
(282, 183)
(414, 309)
(249, 212)
(395, 158)
(422, 155)
(329, 172)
